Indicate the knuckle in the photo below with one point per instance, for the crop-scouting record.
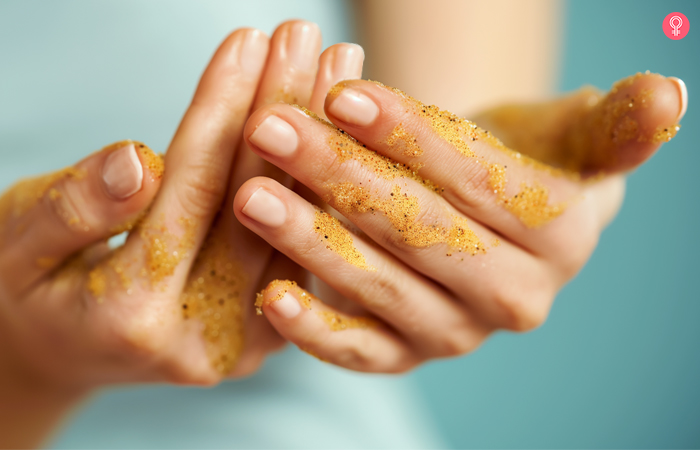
(585, 243)
(523, 312)
(139, 337)
(63, 201)
(358, 354)
(201, 191)
(382, 290)
(457, 343)
(473, 189)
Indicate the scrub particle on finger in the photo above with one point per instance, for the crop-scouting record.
(348, 148)
(213, 296)
(339, 322)
(404, 141)
(281, 287)
(403, 212)
(339, 240)
(530, 204)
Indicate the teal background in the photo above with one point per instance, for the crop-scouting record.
(617, 364)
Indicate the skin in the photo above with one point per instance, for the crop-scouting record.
(428, 304)
(127, 339)
(57, 342)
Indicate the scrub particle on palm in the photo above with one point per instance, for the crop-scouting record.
(402, 211)
(213, 296)
(339, 240)
(164, 250)
(339, 322)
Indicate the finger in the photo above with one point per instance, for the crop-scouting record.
(232, 259)
(337, 63)
(199, 160)
(403, 213)
(420, 311)
(589, 133)
(49, 218)
(356, 343)
(517, 196)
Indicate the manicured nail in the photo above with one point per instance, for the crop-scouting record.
(275, 136)
(683, 91)
(354, 107)
(253, 52)
(265, 208)
(287, 307)
(347, 63)
(303, 45)
(122, 173)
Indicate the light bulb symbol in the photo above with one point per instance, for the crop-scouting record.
(676, 22)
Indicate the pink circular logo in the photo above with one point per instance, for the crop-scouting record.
(676, 26)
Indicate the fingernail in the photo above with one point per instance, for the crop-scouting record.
(265, 208)
(122, 173)
(287, 307)
(348, 63)
(275, 136)
(683, 91)
(254, 52)
(354, 107)
(303, 45)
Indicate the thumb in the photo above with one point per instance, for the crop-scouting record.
(589, 133)
(45, 220)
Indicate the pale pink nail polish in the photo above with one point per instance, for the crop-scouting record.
(287, 307)
(354, 107)
(303, 45)
(265, 208)
(253, 52)
(122, 173)
(347, 63)
(683, 92)
(275, 136)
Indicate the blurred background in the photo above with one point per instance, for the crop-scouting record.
(617, 363)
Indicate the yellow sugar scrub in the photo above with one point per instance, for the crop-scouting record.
(340, 322)
(580, 132)
(527, 204)
(530, 204)
(281, 287)
(163, 249)
(403, 212)
(404, 141)
(339, 240)
(348, 148)
(25, 194)
(213, 296)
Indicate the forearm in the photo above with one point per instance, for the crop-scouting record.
(462, 55)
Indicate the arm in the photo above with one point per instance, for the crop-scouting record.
(436, 50)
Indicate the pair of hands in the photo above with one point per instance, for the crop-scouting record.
(438, 269)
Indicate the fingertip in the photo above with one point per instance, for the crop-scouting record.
(683, 95)
(282, 299)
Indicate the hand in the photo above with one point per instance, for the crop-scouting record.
(455, 235)
(75, 315)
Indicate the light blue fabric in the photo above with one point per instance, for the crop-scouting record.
(77, 75)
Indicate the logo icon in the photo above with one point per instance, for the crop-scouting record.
(676, 26)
